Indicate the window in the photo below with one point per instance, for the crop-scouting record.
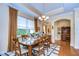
(24, 26)
(21, 26)
(30, 25)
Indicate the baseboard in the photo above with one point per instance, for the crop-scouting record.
(71, 45)
(76, 47)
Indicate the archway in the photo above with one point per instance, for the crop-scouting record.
(62, 29)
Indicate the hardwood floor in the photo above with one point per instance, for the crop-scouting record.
(66, 50)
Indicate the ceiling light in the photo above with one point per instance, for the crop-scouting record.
(40, 18)
(43, 16)
(47, 17)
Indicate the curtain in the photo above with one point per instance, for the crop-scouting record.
(12, 27)
(36, 24)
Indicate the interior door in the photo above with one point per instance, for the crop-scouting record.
(65, 33)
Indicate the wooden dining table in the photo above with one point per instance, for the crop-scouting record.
(30, 46)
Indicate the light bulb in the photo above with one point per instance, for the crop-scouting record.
(43, 16)
(47, 17)
(40, 18)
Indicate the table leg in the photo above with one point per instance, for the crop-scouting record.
(30, 50)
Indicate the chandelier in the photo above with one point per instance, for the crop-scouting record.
(44, 18)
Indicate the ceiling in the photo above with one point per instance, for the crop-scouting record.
(38, 9)
(46, 7)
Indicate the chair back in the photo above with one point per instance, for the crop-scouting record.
(17, 47)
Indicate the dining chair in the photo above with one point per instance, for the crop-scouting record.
(39, 49)
(24, 37)
(46, 43)
(19, 50)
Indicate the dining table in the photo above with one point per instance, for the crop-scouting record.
(30, 42)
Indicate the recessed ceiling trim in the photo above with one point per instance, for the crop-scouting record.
(22, 9)
(25, 15)
(56, 11)
(33, 9)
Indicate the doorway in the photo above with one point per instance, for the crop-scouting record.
(65, 34)
(62, 30)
